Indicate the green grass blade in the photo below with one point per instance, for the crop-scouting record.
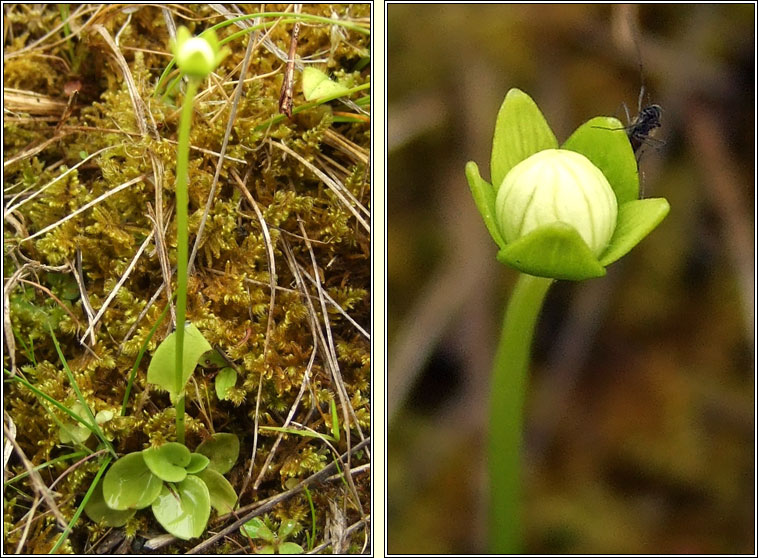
(96, 430)
(80, 509)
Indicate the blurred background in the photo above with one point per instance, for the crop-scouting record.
(640, 433)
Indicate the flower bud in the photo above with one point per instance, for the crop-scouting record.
(557, 185)
(197, 56)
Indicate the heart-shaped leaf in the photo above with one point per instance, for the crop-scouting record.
(184, 509)
(225, 380)
(222, 449)
(198, 462)
(161, 371)
(168, 461)
(223, 496)
(130, 484)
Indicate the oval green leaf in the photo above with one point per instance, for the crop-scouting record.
(603, 141)
(290, 548)
(129, 484)
(556, 251)
(225, 380)
(99, 512)
(257, 529)
(287, 526)
(222, 449)
(197, 463)
(161, 369)
(212, 359)
(168, 461)
(520, 131)
(636, 220)
(184, 510)
(75, 431)
(222, 494)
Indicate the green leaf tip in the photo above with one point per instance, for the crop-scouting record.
(316, 84)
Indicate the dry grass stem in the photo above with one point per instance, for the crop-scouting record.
(269, 320)
(341, 192)
(121, 281)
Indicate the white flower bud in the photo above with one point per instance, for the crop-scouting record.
(557, 185)
(197, 56)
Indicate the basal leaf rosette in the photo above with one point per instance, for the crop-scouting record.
(567, 212)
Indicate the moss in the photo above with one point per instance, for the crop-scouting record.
(229, 294)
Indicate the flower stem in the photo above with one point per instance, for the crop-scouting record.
(509, 381)
(182, 200)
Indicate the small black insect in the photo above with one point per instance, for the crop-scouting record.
(649, 117)
(647, 120)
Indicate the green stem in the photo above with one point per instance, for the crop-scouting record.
(182, 241)
(509, 381)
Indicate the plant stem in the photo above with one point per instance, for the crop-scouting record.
(509, 381)
(182, 200)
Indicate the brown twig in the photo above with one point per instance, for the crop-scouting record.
(263, 507)
(285, 97)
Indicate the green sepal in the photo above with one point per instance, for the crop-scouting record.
(604, 142)
(520, 131)
(484, 197)
(555, 250)
(636, 219)
(212, 359)
(286, 527)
